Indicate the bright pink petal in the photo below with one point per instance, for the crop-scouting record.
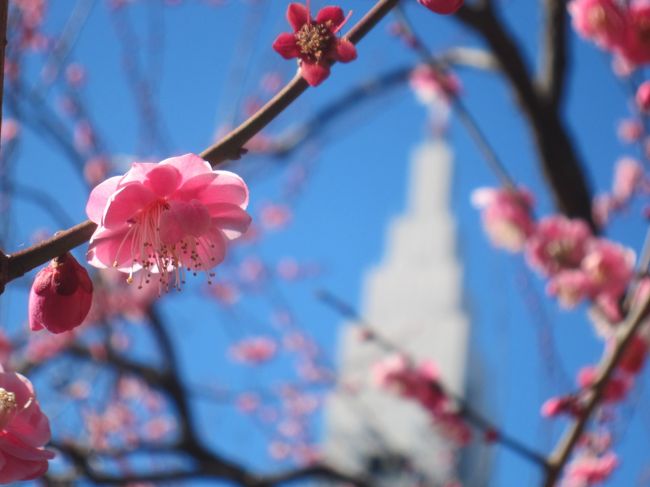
(194, 186)
(313, 73)
(227, 187)
(31, 425)
(285, 45)
(171, 228)
(345, 51)
(297, 15)
(124, 204)
(99, 197)
(331, 14)
(189, 165)
(12, 445)
(163, 180)
(231, 219)
(137, 173)
(111, 246)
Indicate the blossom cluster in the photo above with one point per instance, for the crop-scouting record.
(421, 384)
(622, 28)
(578, 265)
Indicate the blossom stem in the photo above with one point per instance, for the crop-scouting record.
(464, 116)
(230, 147)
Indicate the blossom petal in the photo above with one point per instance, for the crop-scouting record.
(31, 425)
(12, 445)
(163, 180)
(137, 173)
(231, 219)
(345, 51)
(285, 45)
(194, 186)
(331, 14)
(109, 247)
(99, 196)
(125, 203)
(314, 73)
(189, 165)
(297, 15)
(227, 187)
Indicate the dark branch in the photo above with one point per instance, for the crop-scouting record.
(559, 159)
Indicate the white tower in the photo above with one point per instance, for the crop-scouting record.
(414, 299)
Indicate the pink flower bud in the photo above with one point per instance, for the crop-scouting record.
(443, 7)
(643, 96)
(60, 297)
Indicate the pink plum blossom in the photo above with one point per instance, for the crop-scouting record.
(422, 384)
(601, 21)
(643, 96)
(609, 267)
(314, 41)
(61, 296)
(24, 430)
(636, 44)
(628, 176)
(630, 130)
(430, 84)
(616, 389)
(275, 216)
(558, 243)
(506, 216)
(254, 350)
(166, 218)
(590, 469)
(635, 354)
(570, 287)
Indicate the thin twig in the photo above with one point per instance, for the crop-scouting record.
(464, 410)
(469, 122)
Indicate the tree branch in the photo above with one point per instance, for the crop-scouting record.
(230, 147)
(559, 160)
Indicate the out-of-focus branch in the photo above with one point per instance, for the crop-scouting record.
(286, 143)
(562, 452)
(230, 147)
(215, 467)
(554, 51)
(468, 121)
(559, 159)
(465, 410)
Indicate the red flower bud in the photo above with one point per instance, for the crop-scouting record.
(443, 7)
(60, 297)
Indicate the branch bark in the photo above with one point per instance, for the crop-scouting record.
(559, 159)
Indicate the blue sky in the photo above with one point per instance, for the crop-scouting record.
(357, 184)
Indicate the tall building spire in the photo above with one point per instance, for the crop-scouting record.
(414, 299)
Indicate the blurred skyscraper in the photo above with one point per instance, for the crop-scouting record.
(414, 298)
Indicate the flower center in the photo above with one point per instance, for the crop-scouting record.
(314, 40)
(561, 252)
(169, 241)
(7, 406)
(597, 18)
